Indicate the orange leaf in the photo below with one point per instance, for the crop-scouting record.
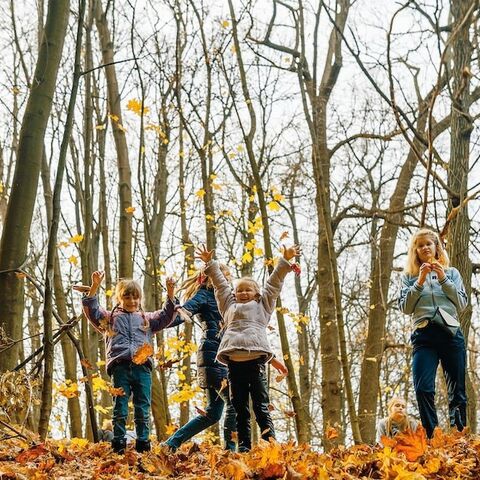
(86, 363)
(412, 444)
(116, 392)
(142, 354)
(31, 454)
(331, 433)
(284, 235)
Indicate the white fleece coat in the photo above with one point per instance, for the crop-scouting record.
(245, 323)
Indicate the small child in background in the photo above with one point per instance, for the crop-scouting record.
(244, 347)
(126, 329)
(397, 420)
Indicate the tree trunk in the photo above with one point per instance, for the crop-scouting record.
(458, 169)
(15, 235)
(125, 262)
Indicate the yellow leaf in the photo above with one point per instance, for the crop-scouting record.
(79, 442)
(109, 292)
(171, 428)
(135, 106)
(247, 257)
(101, 127)
(278, 197)
(240, 148)
(69, 390)
(130, 209)
(216, 186)
(225, 24)
(114, 118)
(273, 206)
(76, 238)
(73, 259)
(98, 383)
(63, 244)
(258, 252)
(101, 363)
(200, 193)
(100, 409)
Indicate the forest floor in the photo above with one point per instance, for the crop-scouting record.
(408, 457)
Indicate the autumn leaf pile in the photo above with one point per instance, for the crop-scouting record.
(407, 457)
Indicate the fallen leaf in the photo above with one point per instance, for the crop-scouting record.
(142, 354)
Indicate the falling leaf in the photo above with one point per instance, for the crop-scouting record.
(100, 409)
(247, 257)
(225, 23)
(289, 413)
(20, 275)
(76, 238)
(223, 385)
(86, 363)
(200, 193)
(273, 206)
(73, 260)
(116, 391)
(170, 429)
(101, 127)
(331, 433)
(284, 235)
(142, 354)
(135, 106)
(69, 390)
(129, 209)
(109, 292)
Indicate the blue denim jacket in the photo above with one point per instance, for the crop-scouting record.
(126, 332)
(420, 301)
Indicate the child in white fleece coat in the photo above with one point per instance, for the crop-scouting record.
(244, 347)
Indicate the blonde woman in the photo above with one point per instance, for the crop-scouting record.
(397, 421)
(433, 294)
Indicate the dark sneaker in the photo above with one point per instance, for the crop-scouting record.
(142, 446)
(119, 446)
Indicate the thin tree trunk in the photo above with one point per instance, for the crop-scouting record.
(15, 235)
(125, 262)
(46, 402)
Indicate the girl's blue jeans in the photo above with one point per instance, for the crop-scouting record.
(217, 398)
(136, 380)
(432, 346)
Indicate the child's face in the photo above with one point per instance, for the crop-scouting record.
(130, 303)
(425, 248)
(245, 292)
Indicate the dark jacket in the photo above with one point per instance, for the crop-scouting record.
(126, 332)
(203, 304)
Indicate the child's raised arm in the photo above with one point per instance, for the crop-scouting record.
(223, 291)
(275, 281)
(92, 310)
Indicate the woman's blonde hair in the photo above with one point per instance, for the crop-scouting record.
(404, 424)
(253, 282)
(413, 262)
(193, 283)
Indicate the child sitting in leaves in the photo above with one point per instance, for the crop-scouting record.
(244, 347)
(397, 420)
(128, 333)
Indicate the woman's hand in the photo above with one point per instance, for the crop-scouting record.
(291, 252)
(438, 269)
(425, 269)
(203, 254)
(170, 281)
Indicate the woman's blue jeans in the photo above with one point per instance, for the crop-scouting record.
(216, 399)
(432, 346)
(135, 380)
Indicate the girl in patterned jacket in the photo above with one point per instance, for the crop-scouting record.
(126, 329)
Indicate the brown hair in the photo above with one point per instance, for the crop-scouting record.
(412, 266)
(125, 287)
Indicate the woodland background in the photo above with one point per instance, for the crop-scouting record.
(133, 130)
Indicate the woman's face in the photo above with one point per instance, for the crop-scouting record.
(398, 410)
(426, 249)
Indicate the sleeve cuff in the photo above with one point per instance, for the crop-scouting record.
(418, 287)
(445, 280)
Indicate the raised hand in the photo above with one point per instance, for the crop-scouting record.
(291, 252)
(203, 254)
(97, 277)
(171, 282)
